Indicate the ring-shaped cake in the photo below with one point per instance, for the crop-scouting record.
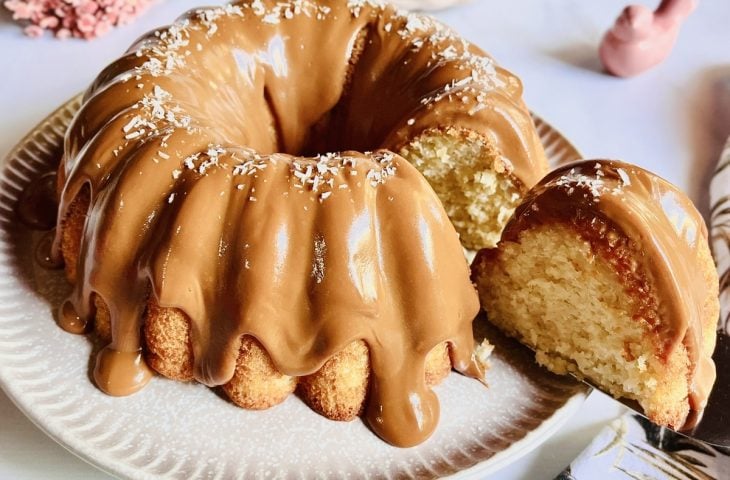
(211, 234)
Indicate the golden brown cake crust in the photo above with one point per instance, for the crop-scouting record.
(338, 389)
(167, 338)
(72, 229)
(256, 383)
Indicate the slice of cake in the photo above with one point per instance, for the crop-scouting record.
(605, 271)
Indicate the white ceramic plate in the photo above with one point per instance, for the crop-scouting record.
(177, 430)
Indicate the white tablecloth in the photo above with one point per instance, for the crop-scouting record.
(669, 120)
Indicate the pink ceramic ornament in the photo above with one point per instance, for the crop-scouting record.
(641, 39)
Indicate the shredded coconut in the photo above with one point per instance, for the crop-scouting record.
(596, 184)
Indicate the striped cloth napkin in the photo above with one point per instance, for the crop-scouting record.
(632, 448)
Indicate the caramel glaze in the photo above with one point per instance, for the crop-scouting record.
(666, 228)
(44, 252)
(304, 276)
(37, 209)
(37, 206)
(161, 142)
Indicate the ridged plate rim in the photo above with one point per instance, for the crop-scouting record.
(28, 158)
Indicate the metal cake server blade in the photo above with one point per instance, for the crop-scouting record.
(712, 425)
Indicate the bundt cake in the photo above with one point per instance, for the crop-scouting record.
(306, 77)
(262, 273)
(605, 271)
(209, 236)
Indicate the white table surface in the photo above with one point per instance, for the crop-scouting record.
(670, 120)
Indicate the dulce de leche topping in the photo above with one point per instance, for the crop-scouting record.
(176, 145)
(369, 255)
(301, 77)
(665, 227)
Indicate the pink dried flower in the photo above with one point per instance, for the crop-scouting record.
(63, 33)
(86, 23)
(33, 31)
(74, 18)
(48, 23)
(102, 28)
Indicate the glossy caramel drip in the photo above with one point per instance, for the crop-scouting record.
(70, 321)
(121, 373)
(667, 229)
(177, 141)
(44, 252)
(304, 272)
(37, 206)
(37, 209)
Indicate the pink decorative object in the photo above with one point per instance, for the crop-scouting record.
(641, 39)
(75, 18)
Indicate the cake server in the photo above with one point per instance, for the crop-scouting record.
(712, 426)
